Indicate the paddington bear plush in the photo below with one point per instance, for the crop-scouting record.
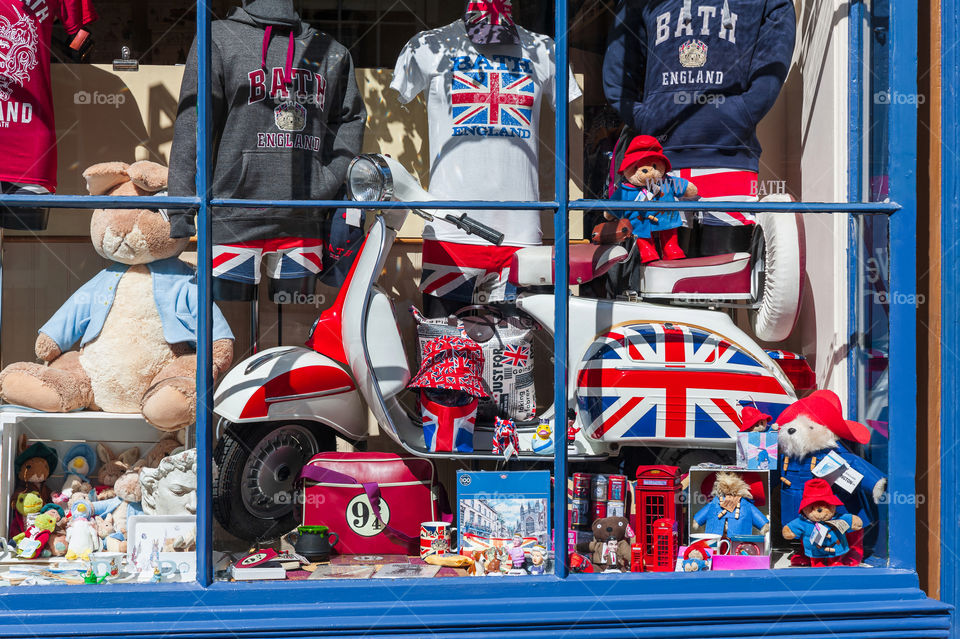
(135, 321)
(824, 533)
(644, 171)
(731, 509)
(811, 429)
(610, 549)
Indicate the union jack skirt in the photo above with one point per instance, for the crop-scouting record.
(727, 185)
(466, 272)
(285, 258)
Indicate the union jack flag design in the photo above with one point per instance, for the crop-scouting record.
(516, 355)
(497, 12)
(492, 97)
(288, 258)
(448, 428)
(671, 382)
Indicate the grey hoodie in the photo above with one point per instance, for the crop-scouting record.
(287, 119)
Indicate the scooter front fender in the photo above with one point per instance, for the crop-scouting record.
(288, 382)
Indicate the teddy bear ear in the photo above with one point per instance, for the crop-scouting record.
(101, 178)
(149, 176)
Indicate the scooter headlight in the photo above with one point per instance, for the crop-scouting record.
(369, 179)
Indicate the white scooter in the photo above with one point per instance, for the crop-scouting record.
(640, 373)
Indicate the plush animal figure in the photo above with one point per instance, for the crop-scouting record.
(731, 509)
(644, 170)
(82, 536)
(696, 557)
(119, 508)
(135, 321)
(78, 465)
(57, 542)
(31, 543)
(810, 430)
(167, 446)
(32, 466)
(112, 468)
(824, 534)
(610, 548)
(25, 508)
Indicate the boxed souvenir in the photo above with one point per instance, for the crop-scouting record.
(757, 451)
(494, 507)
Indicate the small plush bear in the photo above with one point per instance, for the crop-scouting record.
(731, 509)
(824, 533)
(120, 508)
(644, 170)
(135, 321)
(610, 548)
(810, 429)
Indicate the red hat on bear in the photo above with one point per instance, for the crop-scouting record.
(823, 407)
(816, 491)
(646, 149)
(703, 546)
(749, 417)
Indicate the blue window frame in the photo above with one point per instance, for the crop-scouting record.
(856, 601)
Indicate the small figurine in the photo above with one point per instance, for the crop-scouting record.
(541, 442)
(731, 510)
(31, 543)
(754, 421)
(809, 445)
(696, 557)
(82, 536)
(537, 559)
(492, 564)
(824, 533)
(505, 441)
(610, 548)
(518, 557)
(645, 179)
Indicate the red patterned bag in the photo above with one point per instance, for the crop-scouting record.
(375, 502)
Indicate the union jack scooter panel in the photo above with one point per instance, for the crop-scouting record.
(673, 384)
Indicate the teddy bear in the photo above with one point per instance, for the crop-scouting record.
(32, 542)
(811, 429)
(135, 321)
(644, 170)
(696, 557)
(113, 467)
(609, 547)
(125, 504)
(731, 509)
(824, 533)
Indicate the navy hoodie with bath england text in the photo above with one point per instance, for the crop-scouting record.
(699, 75)
(287, 120)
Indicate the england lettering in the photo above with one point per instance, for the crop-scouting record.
(673, 78)
(15, 112)
(289, 141)
(492, 131)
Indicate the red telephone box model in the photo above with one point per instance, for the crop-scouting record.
(664, 547)
(658, 489)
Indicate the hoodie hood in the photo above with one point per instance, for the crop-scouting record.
(278, 13)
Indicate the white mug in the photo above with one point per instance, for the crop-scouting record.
(106, 563)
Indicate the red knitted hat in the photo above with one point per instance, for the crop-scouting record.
(644, 148)
(702, 546)
(818, 490)
(823, 407)
(749, 417)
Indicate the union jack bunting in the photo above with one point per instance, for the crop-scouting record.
(669, 381)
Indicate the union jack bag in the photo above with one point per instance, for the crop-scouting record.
(507, 344)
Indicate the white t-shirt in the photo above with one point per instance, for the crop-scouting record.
(483, 107)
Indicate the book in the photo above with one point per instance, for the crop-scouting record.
(406, 571)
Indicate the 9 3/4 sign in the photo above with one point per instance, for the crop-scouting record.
(361, 518)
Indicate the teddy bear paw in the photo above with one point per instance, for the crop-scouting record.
(170, 404)
(43, 388)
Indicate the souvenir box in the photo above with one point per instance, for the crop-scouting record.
(494, 506)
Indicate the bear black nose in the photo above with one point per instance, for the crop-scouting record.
(609, 528)
(791, 431)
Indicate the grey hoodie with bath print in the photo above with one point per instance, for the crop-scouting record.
(287, 119)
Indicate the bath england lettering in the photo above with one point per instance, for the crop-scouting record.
(308, 87)
(14, 112)
(39, 8)
(492, 97)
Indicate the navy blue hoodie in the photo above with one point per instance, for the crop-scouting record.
(699, 76)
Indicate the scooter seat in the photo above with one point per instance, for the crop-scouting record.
(717, 275)
(533, 265)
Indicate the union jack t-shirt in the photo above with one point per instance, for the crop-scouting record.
(483, 111)
(27, 132)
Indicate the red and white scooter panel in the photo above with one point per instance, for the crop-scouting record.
(669, 382)
(719, 276)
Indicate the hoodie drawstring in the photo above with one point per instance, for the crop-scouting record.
(288, 68)
(727, 17)
(686, 13)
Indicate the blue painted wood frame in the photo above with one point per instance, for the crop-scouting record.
(854, 602)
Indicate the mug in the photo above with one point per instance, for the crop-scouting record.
(713, 541)
(106, 563)
(434, 538)
(315, 542)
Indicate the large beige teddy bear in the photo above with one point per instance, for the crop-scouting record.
(135, 320)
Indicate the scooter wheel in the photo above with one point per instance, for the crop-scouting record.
(779, 272)
(257, 465)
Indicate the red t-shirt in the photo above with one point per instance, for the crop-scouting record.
(28, 140)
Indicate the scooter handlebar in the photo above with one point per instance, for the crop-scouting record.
(469, 225)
